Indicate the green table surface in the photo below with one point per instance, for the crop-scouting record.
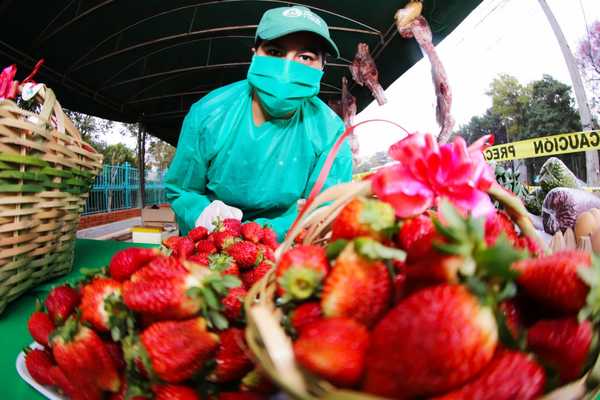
(13, 322)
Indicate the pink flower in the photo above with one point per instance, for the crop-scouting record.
(427, 172)
(7, 86)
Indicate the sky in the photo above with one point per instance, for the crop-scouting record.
(499, 36)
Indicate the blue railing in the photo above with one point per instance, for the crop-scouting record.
(116, 188)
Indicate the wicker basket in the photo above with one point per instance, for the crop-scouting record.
(46, 171)
(267, 339)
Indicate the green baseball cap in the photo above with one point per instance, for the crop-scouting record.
(282, 21)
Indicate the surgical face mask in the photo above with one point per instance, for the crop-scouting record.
(282, 85)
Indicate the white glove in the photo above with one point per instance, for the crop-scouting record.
(217, 209)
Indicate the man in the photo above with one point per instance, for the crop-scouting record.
(254, 148)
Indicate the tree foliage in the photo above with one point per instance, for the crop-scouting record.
(588, 60)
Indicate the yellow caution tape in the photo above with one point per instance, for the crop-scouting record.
(544, 146)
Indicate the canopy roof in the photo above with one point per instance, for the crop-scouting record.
(148, 61)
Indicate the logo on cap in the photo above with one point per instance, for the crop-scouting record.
(292, 13)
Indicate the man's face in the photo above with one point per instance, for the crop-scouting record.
(303, 47)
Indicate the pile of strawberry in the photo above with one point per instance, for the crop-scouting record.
(159, 326)
(438, 306)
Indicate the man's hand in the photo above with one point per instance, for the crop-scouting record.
(217, 209)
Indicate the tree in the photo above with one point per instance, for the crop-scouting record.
(91, 128)
(160, 154)
(509, 102)
(116, 154)
(478, 126)
(588, 61)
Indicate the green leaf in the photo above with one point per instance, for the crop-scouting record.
(496, 261)
(335, 248)
(477, 287)
(210, 298)
(231, 281)
(508, 292)
(450, 214)
(218, 320)
(504, 332)
(374, 250)
(218, 287)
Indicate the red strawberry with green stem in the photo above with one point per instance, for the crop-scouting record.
(359, 285)
(246, 254)
(223, 264)
(102, 306)
(252, 232)
(233, 225)
(563, 344)
(233, 303)
(510, 375)
(40, 327)
(223, 239)
(198, 233)
(61, 302)
(250, 277)
(553, 280)
(416, 237)
(84, 358)
(334, 349)
(231, 358)
(300, 272)
(206, 246)
(437, 339)
(172, 360)
(125, 262)
(364, 217)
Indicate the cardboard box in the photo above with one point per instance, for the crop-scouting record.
(152, 234)
(160, 214)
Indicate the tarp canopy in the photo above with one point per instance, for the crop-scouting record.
(148, 61)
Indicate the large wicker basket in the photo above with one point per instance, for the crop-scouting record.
(45, 174)
(273, 348)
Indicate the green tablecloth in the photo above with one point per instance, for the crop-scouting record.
(13, 322)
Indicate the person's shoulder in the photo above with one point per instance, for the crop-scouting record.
(221, 98)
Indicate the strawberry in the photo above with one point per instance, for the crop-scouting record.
(40, 327)
(171, 242)
(245, 254)
(512, 317)
(61, 302)
(436, 339)
(101, 301)
(116, 354)
(363, 217)
(165, 297)
(232, 359)
(175, 361)
(233, 303)
(84, 358)
(222, 239)
(205, 246)
(498, 223)
(252, 232)
(223, 264)
(301, 271)
(433, 269)
(553, 280)
(160, 268)
(416, 237)
(250, 277)
(563, 344)
(201, 259)
(267, 252)
(233, 225)
(198, 233)
(125, 262)
(305, 314)
(175, 392)
(510, 375)
(357, 287)
(38, 363)
(527, 243)
(242, 396)
(270, 238)
(334, 349)
(183, 248)
(73, 389)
